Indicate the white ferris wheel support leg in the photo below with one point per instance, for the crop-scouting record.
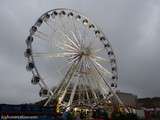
(73, 92)
(63, 95)
(63, 81)
(119, 100)
(92, 88)
(85, 87)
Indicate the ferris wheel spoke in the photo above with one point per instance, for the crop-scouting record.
(52, 55)
(101, 68)
(63, 32)
(52, 31)
(67, 47)
(53, 28)
(42, 36)
(100, 74)
(100, 59)
(104, 90)
(71, 42)
(99, 85)
(50, 26)
(76, 32)
(73, 59)
(84, 37)
(98, 50)
(76, 39)
(62, 24)
(67, 43)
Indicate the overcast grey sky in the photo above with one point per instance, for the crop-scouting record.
(132, 26)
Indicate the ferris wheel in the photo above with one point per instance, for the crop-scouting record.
(71, 59)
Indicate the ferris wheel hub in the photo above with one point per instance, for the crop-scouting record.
(86, 51)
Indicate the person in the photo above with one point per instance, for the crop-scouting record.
(105, 114)
(78, 117)
(65, 115)
(81, 115)
(70, 116)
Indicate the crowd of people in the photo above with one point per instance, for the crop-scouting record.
(98, 114)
